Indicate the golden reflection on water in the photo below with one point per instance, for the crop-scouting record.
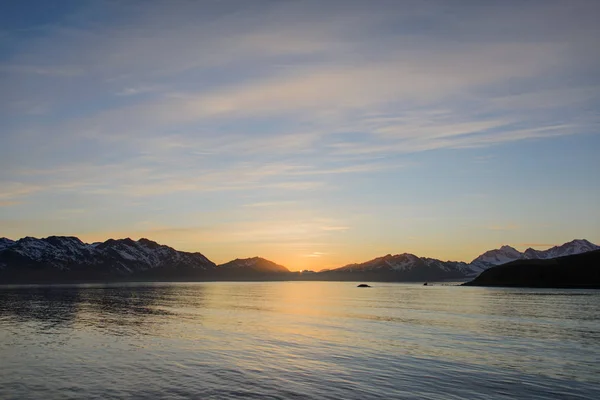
(295, 327)
(317, 339)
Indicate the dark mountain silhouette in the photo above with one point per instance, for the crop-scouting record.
(256, 264)
(409, 267)
(507, 254)
(4, 243)
(574, 271)
(252, 269)
(66, 258)
(399, 268)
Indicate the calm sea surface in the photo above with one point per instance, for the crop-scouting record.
(298, 340)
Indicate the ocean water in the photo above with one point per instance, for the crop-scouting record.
(297, 340)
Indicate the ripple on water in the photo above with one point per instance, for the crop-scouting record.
(298, 340)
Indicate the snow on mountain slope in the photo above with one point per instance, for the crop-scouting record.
(5, 242)
(407, 263)
(448, 266)
(495, 257)
(57, 251)
(576, 246)
(407, 266)
(123, 256)
(127, 257)
(507, 254)
(398, 262)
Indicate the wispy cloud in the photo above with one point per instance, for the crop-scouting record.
(507, 227)
(270, 204)
(45, 70)
(265, 106)
(335, 228)
(315, 254)
(137, 90)
(14, 192)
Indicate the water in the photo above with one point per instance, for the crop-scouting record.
(298, 340)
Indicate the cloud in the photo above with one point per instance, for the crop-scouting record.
(6, 203)
(301, 231)
(411, 76)
(335, 228)
(336, 98)
(13, 192)
(270, 204)
(251, 105)
(45, 70)
(315, 254)
(127, 179)
(507, 227)
(329, 70)
(134, 91)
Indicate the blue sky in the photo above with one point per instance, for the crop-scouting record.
(311, 133)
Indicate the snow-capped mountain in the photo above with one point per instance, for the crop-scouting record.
(403, 267)
(5, 242)
(495, 257)
(571, 271)
(255, 264)
(58, 258)
(145, 254)
(411, 267)
(398, 262)
(68, 256)
(507, 254)
(576, 246)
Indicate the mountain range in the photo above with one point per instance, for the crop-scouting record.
(507, 254)
(66, 258)
(581, 271)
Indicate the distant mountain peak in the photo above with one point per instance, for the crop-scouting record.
(149, 243)
(573, 247)
(31, 258)
(507, 254)
(404, 266)
(5, 242)
(256, 264)
(495, 257)
(67, 256)
(582, 242)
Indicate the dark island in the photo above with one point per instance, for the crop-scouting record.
(581, 271)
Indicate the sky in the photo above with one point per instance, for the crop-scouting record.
(312, 133)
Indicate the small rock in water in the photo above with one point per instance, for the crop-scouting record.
(363, 285)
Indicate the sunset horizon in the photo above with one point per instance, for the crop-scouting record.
(300, 199)
(314, 265)
(312, 134)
